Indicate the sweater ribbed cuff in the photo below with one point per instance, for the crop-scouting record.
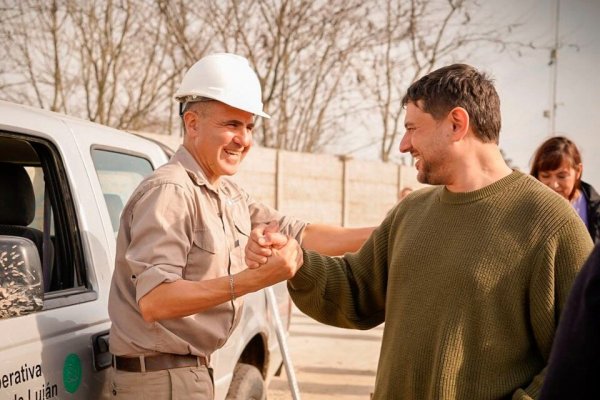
(311, 271)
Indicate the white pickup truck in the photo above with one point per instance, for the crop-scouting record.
(63, 184)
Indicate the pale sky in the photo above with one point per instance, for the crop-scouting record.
(524, 83)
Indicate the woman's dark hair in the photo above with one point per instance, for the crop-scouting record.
(551, 154)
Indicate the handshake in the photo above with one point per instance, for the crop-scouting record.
(275, 256)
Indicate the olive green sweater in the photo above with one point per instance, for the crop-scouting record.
(470, 286)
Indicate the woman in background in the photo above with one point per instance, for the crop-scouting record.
(557, 164)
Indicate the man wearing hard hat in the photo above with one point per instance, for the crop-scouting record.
(179, 271)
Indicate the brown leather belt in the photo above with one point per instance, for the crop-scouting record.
(157, 362)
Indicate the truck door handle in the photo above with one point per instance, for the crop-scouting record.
(100, 354)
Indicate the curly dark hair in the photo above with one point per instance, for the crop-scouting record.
(459, 85)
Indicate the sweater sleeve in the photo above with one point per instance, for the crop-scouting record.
(348, 291)
(556, 267)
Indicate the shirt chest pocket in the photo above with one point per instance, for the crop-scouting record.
(205, 259)
(204, 240)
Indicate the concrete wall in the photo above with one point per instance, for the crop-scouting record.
(320, 187)
(372, 191)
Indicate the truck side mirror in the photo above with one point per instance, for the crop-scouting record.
(21, 286)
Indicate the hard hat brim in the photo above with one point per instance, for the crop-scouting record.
(263, 114)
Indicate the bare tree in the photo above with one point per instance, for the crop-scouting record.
(127, 68)
(321, 63)
(34, 54)
(109, 61)
(385, 63)
(190, 32)
(302, 51)
(419, 35)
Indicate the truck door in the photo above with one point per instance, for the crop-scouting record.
(45, 352)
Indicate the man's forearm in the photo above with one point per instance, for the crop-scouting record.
(334, 240)
(183, 297)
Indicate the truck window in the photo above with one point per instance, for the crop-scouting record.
(119, 174)
(42, 210)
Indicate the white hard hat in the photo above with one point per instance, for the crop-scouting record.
(225, 77)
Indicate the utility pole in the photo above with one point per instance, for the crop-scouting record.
(554, 72)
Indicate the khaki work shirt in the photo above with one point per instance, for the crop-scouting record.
(177, 225)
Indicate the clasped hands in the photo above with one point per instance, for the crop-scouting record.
(279, 255)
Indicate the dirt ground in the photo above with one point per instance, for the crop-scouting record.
(330, 363)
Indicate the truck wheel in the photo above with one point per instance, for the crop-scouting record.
(247, 384)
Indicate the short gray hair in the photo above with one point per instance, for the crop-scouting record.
(187, 102)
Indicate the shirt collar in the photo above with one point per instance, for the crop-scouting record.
(183, 157)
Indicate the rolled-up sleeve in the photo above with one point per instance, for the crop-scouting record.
(161, 237)
(263, 214)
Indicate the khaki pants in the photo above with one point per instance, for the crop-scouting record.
(189, 383)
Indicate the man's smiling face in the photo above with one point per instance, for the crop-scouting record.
(427, 140)
(219, 136)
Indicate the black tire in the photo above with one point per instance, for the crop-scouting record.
(247, 384)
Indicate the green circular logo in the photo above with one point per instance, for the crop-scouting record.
(72, 373)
